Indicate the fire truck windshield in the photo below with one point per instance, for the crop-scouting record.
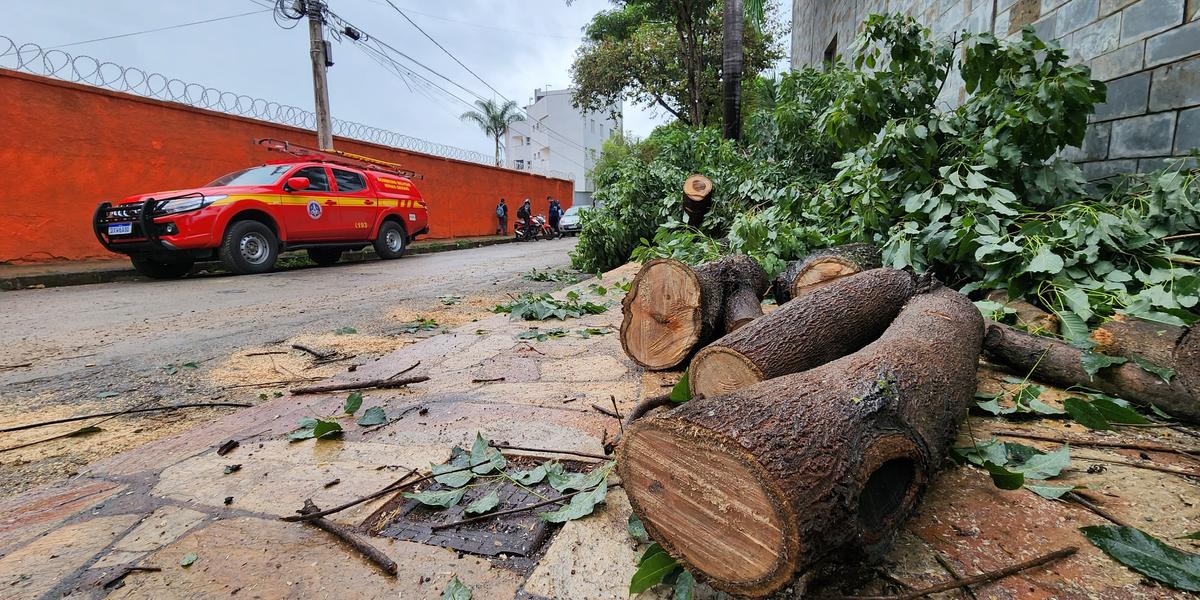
(264, 175)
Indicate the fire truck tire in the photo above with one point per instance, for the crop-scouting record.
(392, 240)
(325, 256)
(157, 269)
(249, 247)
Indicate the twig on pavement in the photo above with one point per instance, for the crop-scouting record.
(372, 553)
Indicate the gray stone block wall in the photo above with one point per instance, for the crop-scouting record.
(1146, 51)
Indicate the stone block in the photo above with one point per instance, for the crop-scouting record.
(1075, 15)
(1147, 165)
(34, 570)
(1107, 168)
(1050, 5)
(1094, 146)
(1096, 39)
(1126, 97)
(1176, 86)
(1108, 7)
(1192, 10)
(1044, 28)
(1173, 45)
(1187, 131)
(1119, 62)
(1148, 17)
(1144, 136)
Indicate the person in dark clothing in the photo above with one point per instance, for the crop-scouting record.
(502, 218)
(525, 214)
(555, 215)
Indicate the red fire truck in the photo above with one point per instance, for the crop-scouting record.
(322, 201)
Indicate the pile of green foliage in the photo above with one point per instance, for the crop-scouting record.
(975, 194)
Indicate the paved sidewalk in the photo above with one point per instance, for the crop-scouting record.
(58, 274)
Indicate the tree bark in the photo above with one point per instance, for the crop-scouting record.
(810, 331)
(672, 308)
(697, 201)
(749, 489)
(742, 305)
(1058, 363)
(1029, 316)
(1177, 348)
(733, 52)
(823, 266)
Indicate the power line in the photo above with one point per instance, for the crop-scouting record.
(169, 27)
(482, 26)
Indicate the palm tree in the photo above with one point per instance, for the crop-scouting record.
(494, 119)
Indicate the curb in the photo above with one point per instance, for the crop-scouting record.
(71, 278)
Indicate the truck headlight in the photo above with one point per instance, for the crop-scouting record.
(190, 203)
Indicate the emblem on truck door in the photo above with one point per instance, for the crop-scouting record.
(314, 209)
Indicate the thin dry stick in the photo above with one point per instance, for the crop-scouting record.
(1181, 236)
(124, 412)
(314, 353)
(617, 411)
(271, 383)
(272, 352)
(487, 380)
(981, 578)
(1077, 441)
(20, 366)
(941, 560)
(515, 510)
(359, 385)
(405, 370)
(80, 431)
(1149, 466)
(549, 451)
(379, 559)
(392, 487)
(1096, 509)
(601, 409)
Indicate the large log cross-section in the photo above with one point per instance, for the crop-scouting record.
(751, 488)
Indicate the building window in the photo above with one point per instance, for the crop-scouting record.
(526, 141)
(830, 53)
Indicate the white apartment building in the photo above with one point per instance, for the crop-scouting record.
(560, 140)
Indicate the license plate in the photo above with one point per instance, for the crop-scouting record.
(120, 229)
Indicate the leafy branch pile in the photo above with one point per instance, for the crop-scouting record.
(974, 194)
(559, 275)
(539, 307)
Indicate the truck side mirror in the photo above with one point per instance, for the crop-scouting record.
(295, 184)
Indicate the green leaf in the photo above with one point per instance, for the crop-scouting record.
(1147, 555)
(530, 477)
(485, 458)
(562, 481)
(685, 585)
(455, 590)
(636, 530)
(483, 504)
(443, 498)
(108, 394)
(1116, 413)
(1045, 466)
(1045, 261)
(1049, 492)
(455, 473)
(581, 505)
(345, 330)
(188, 560)
(1074, 328)
(327, 429)
(353, 402)
(654, 565)
(1003, 478)
(681, 392)
(1084, 413)
(373, 416)
(90, 429)
(1092, 362)
(1165, 373)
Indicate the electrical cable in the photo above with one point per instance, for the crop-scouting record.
(157, 29)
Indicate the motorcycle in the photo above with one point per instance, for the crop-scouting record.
(539, 229)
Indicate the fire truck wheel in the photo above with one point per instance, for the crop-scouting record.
(325, 256)
(158, 269)
(391, 241)
(249, 247)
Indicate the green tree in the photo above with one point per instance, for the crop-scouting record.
(494, 118)
(667, 53)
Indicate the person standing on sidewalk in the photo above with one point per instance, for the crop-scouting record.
(502, 218)
(555, 213)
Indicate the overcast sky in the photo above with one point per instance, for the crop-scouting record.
(514, 45)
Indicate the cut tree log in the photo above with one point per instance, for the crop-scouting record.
(671, 308)
(1029, 316)
(742, 305)
(749, 489)
(1177, 348)
(800, 277)
(1058, 363)
(827, 324)
(697, 201)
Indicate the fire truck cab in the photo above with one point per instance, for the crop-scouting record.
(325, 202)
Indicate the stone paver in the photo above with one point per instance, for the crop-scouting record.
(42, 564)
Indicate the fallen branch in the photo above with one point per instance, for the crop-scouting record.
(335, 359)
(1149, 466)
(20, 366)
(487, 380)
(270, 383)
(976, 579)
(405, 370)
(124, 412)
(646, 405)
(549, 451)
(314, 353)
(515, 510)
(392, 487)
(601, 409)
(1078, 441)
(360, 385)
(265, 353)
(372, 553)
(941, 560)
(1084, 502)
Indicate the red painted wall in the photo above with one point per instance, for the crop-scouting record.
(65, 147)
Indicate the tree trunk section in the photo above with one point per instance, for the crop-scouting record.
(749, 489)
(1058, 363)
(1177, 348)
(697, 201)
(672, 308)
(742, 306)
(732, 55)
(823, 266)
(827, 324)
(1029, 316)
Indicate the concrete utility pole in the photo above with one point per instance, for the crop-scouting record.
(316, 36)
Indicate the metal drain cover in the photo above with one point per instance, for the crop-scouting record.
(519, 534)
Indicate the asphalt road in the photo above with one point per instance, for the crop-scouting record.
(83, 338)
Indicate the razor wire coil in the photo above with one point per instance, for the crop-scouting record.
(36, 60)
